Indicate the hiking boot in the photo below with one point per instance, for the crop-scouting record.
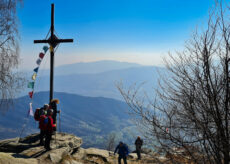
(41, 144)
(48, 149)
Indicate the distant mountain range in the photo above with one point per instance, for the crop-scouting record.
(99, 78)
(91, 67)
(92, 118)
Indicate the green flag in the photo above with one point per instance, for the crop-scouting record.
(45, 48)
(30, 85)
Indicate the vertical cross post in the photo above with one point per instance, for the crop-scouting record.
(53, 41)
(52, 54)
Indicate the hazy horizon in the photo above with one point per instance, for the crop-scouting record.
(128, 31)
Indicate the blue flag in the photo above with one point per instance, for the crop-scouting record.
(36, 69)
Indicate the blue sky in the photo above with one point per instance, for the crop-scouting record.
(141, 31)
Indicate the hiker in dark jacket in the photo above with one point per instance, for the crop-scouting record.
(138, 143)
(49, 129)
(122, 151)
(43, 112)
(53, 105)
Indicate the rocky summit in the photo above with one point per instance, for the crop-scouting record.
(66, 149)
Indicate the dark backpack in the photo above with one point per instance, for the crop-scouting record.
(37, 114)
(127, 148)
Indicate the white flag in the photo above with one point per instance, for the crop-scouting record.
(31, 110)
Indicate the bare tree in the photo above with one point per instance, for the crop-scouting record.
(10, 81)
(110, 142)
(190, 115)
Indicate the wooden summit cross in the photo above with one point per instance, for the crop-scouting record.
(53, 41)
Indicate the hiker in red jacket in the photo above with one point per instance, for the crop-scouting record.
(42, 123)
(49, 129)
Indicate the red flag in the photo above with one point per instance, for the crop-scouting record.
(31, 94)
(41, 55)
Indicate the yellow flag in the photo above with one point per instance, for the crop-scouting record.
(51, 49)
(34, 76)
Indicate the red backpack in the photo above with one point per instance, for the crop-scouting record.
(37, 114)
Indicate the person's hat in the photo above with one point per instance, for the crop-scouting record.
(120, 142)
(55, 100)
(46, 105)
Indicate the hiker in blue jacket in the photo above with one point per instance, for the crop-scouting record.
(122, 151)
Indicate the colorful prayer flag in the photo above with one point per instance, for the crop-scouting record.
(31, 110)
(41, 55)
(36, 69)
(39, 61)
(31, 94)
(45, 48)
(34, 76)
(51, 49)
(30, 85)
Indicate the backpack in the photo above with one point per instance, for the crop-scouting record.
(37, 114)
(43, 122)
(127, 148)
(46, 120)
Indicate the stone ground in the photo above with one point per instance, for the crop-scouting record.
(66, 149)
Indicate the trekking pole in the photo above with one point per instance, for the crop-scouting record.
(55, 140)
(60, 122)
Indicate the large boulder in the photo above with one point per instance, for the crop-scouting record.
(62, 145)
(14, 145)
(11, 158)
(66, 140)
(132, 156)
(97, 152)
(59, 140)
(96, 155)
(79, 153)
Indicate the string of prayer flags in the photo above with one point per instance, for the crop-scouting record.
(30, 85)
(45, 48)
(31, 94)
(34, 76)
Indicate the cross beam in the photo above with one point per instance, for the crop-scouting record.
(53, 41)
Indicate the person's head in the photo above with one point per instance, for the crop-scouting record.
(56, 101)
(120, 143)
(46, 106)
(50, 112)
(139, 137)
